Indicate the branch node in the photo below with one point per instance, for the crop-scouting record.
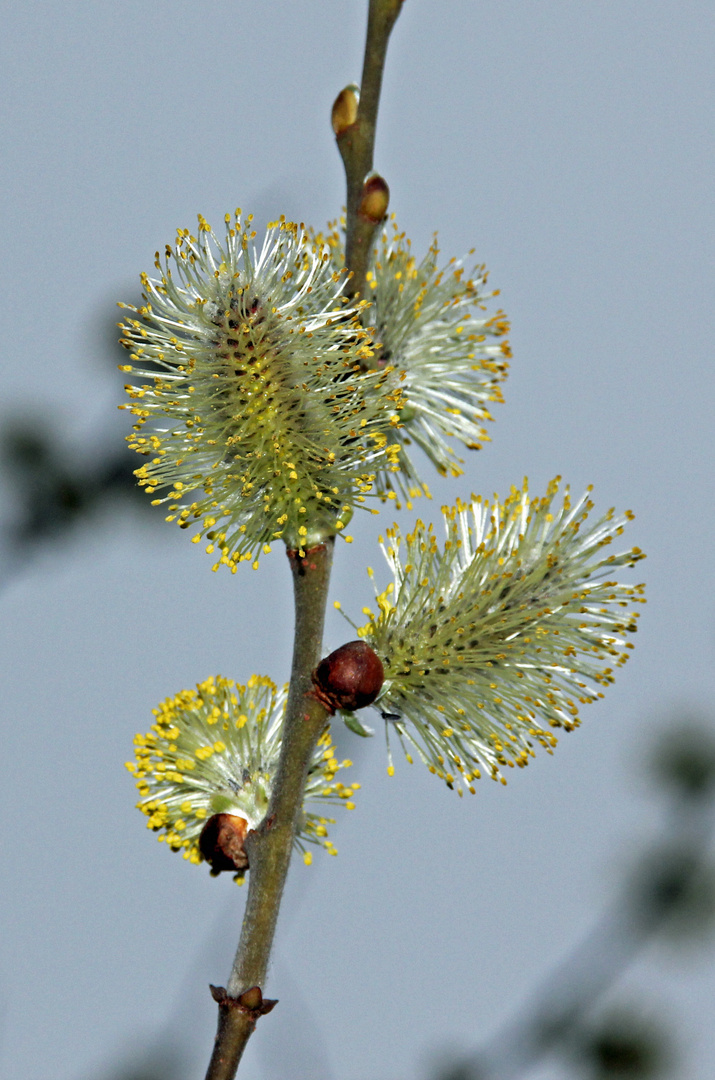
(251, 1001)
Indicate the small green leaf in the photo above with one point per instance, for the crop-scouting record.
(352, 722)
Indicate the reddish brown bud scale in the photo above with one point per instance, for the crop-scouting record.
(221, 843)
(350, 678)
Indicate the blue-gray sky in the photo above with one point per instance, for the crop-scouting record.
(571, 145)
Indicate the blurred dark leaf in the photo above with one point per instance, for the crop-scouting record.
(675, 887)
(24, 449)
(684, 760)
(624, 1045)
(51, 493)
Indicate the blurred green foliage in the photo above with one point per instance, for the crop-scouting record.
(669, 894)
(50, 493)
(683, 760)
(624, 1044)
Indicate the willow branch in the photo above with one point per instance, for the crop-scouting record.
(366, 199)
(270, 846)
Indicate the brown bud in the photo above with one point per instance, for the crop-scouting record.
(350, 678)
(221, 842)
(345, 109)
(375, 198)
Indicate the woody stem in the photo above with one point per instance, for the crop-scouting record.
(270, 846)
